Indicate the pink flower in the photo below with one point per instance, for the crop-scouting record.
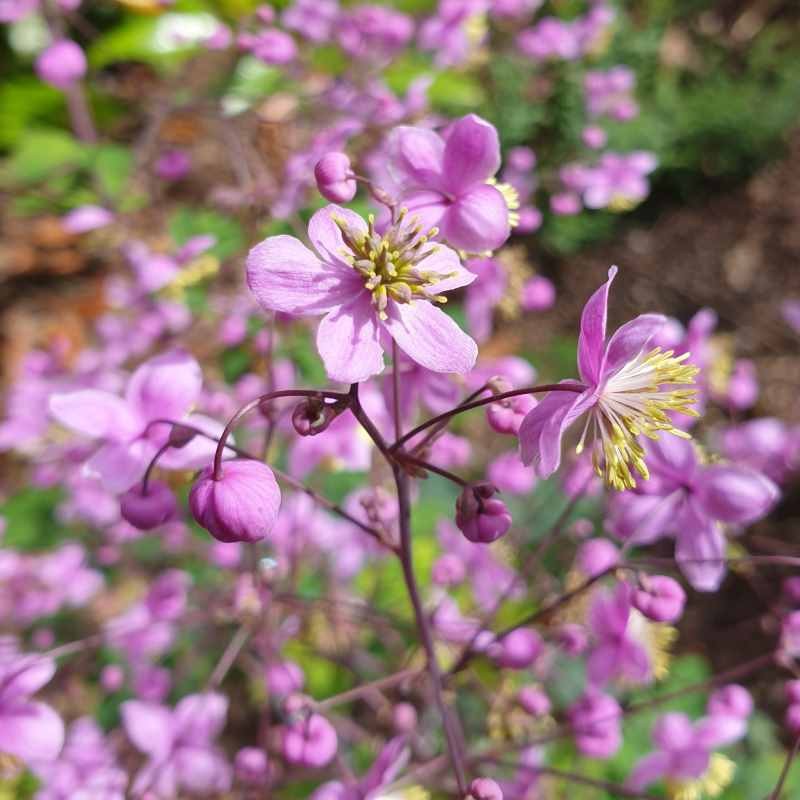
(164, 387)
(446, 181)
(179, 745)
(626, 390)
(691, 500)
(61, 64)
(684, 749)
(595, 721)
(29, 730)
(368, 287)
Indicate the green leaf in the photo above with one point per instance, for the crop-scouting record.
(188, 222)
(42, 152)
(29, 519)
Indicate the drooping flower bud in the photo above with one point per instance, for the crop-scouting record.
(538, 294)
(660, 598)
(241, 506)
(505, 416)
(480, 516)
(335, 179)
(518, 649)
(310, 742)
(485, 789)
(596, 556)
(732, 700)
(148, 510)
(61, 64)
(313, 415)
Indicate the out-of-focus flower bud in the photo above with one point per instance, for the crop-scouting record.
(660, 598)
(448, 570)
(518, 649)
(596, 556)
(505, 416)
(485, 789)
(404, 717)
(732, 700)
(534, 701)
(335, 179)
(538, 294)
(480, 516)
(284, 678)
(251, 766)
(241, 506)
(572, 638)
(61, 64)
(148, 510)
(310, 742)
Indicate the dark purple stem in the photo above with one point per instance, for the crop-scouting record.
(485, 401)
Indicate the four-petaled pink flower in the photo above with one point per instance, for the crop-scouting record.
(448, 182)
(625, 391)
(369, 287)
(164, 387)
(179, 745)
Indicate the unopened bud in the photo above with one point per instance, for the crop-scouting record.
(485, 789)
(335, 179)
(180, 436)
(148, 510)
(313, 415)
(480, 516)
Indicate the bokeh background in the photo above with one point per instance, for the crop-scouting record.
(718, 83)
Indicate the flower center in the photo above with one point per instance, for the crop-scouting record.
(391, 263)
(636, 400)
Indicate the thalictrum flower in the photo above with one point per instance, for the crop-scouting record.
(367, 285)
(448, 181)
(690, 500)
(625, 390)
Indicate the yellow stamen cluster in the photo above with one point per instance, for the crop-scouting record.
(636, 401)
(518, 272)
(206, 266)
(711, 784)
(657, 638)
(390, 264)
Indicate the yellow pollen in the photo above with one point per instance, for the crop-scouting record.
(634, 402)
(392, 265)
(711, 784)
(511, 196)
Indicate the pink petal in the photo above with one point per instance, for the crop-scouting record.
(28, 676)
(119, 466)
(326, 235)
(349, 343)
(471, 154)
(477, 221)
(202, 771)
(165, 387)
(95, 413)
(425, 207)
(719, 730)
(445, 262)
(541, 431)
(201, 717)
(631, 339)
(700, 551)
(284, 275)
(643, 519)
(735, 494)
(602, 664)
(31, 732)
(430, 337)
(593, 332)
(415, 157)
(648, 770)
(149, 727)
(157, 777)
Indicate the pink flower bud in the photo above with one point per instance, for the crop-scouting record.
(404, 717)
(313, 415)
(793, 718)
(310, 742)
(335, 179)
(61, 64)
(792, 689)
(594, 136)
(660, 598)
(596, 556)
(538, 294)
(518, 649)
(173, 165)
(148, 510)
(241, 506)
(505, 416)
(284, 678)
(731, 701)
(791, 589)
(251, 766)
(485, 789)
(112, 677)
(534, 701)
(480, 516)
(572, 638)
